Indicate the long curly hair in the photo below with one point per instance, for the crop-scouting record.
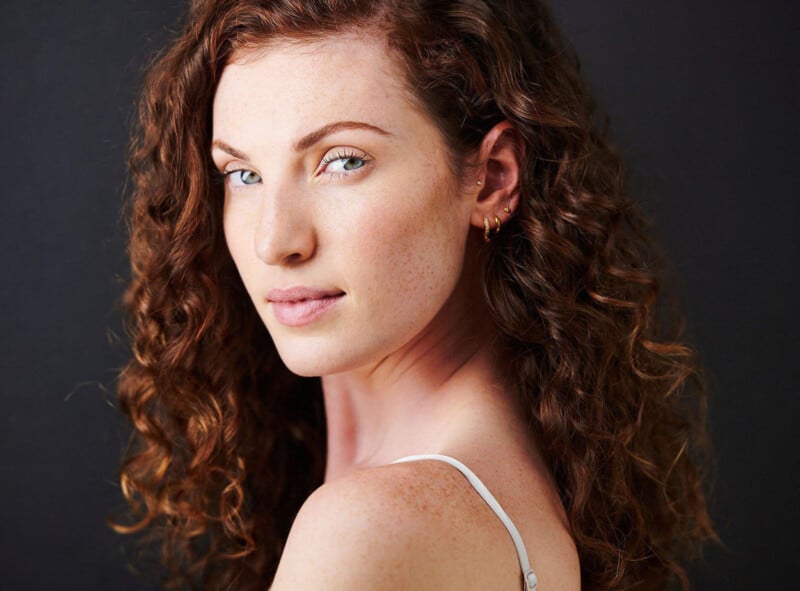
(227, 443)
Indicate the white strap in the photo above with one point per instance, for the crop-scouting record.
(529, 577)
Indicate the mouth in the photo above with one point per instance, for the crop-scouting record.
(291, 310)
(299, 294)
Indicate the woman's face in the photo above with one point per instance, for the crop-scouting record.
(367, 215)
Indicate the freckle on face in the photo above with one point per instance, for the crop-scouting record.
(392, 236)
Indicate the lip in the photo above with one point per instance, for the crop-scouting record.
(298, 306)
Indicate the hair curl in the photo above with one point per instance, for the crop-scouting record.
(574, 284)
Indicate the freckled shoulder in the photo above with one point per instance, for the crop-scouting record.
(401, 526)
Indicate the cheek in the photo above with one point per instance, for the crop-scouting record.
(409, 256)
(231, 229)
(239, 239)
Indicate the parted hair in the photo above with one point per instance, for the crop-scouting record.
(227, 443)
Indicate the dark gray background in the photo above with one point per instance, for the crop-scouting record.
(703, 99)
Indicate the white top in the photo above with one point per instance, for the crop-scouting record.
(528, 576)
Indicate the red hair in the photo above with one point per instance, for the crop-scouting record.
(227, 443)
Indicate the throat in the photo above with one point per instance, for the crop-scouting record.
(371, 425)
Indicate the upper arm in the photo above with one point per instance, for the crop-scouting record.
(360, 533)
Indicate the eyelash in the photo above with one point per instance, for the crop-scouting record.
(346, 156)
(339, 155)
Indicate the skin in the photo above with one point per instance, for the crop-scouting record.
(406, 356)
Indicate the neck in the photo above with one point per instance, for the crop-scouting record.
(440, 388)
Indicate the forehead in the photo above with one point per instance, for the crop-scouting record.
(292, 84)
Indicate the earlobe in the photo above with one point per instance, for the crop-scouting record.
(502, 153)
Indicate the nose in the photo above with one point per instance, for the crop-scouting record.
(285, 232)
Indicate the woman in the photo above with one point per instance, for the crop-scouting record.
(366, 235)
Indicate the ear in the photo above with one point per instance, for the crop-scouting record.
(501, 155)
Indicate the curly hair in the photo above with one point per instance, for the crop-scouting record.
(615, 397)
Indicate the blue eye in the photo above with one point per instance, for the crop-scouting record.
(242, 177)
(350, 163)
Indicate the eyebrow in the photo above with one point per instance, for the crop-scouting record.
(309, 139)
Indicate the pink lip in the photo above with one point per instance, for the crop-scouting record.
(298, 306)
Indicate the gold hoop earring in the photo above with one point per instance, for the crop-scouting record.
(497, 221)
(485, 229)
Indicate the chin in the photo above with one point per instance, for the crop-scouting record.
(322, 355)
(314, 360)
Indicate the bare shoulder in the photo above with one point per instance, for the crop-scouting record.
(378, 528)
(417, 525)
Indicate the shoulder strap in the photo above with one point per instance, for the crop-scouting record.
(529, 576)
